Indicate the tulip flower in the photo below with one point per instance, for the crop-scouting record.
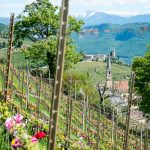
(40, 135)
(9, 123)
(18, 118)
(16, 143)
(34, 140)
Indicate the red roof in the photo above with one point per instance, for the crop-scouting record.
(121, 86)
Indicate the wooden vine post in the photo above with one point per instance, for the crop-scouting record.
(71, 106)
(27, 85)
(126, 139)
(22, 87)
(58, 76)
(12, 75)
(3, 79)
(141, 136)
(68, 108)
(87, 109)
(9, 53)
(146, 137)
(19, 77)
(83, 111)
(98, 127)
(39, 96)
(136, 129)
(115, 129)
(113, 122)
(68, 112)
(45, 88)
(75, 89)
(50, 87)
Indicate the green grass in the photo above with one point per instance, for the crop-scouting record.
(3, 40)
(85, 68)
(18, 58)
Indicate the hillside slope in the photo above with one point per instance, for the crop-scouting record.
(84, 68)
(80, 138)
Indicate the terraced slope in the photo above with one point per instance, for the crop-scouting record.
(88, 128)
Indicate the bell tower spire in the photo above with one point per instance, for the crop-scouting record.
(109, 73)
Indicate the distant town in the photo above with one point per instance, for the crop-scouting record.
(100, 57)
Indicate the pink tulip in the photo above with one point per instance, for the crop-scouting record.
(9, 123)
(34, 140)
(18, 118)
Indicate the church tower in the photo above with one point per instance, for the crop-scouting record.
(109, 74)
(113, 53)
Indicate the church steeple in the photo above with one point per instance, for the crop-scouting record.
(109, 73)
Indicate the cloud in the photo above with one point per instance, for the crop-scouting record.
(99, 3)
(121, 7)
(15, 3)
(129, 2)
(8, 5)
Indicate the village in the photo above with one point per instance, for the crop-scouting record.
(100, 57)
(117, 91)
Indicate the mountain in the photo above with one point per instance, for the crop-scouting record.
(4, 20)
(3, 27)
(139, 18)
(96, 18)
(129, 40)
(100, 17)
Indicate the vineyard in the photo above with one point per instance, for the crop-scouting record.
(38, 112)
(81, 126)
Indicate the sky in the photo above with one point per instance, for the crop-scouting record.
(80, 7)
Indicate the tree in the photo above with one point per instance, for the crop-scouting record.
(3, 31)
(141, 67)
(40, 23)
(48, 53)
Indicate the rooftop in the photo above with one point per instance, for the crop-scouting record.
(121, 86)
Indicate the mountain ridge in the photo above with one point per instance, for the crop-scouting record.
(4, 20)
(95, 18)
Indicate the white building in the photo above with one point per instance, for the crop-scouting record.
(97, 57)
(89, 58)
(100, 57)
(113, 53)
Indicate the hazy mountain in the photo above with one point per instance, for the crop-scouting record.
(3, 27)
(96, 18)
(139, 18)
(102, 32)
(129, 40)
(4, 20)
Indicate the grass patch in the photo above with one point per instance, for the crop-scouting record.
(97, 71)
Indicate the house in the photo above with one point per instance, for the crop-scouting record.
(88, 57)
(113, 53)
(100, 57)
(121, 86)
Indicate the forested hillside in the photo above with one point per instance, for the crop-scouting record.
(129, 40)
